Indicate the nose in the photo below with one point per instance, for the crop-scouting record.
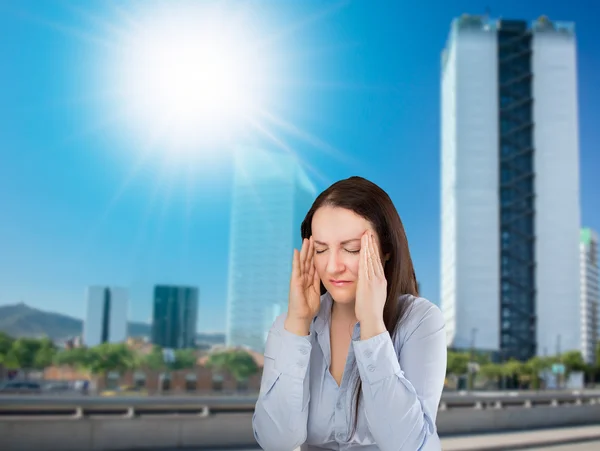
(335, 265)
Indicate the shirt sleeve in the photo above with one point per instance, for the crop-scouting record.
(281, 413)
(401, 394)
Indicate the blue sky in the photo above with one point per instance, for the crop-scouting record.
(359, 82)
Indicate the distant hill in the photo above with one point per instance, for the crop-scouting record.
(21, 320)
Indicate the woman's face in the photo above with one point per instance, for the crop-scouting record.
(337, 235)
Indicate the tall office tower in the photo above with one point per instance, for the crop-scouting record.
(174, 316)
(510, 187)
(106, 315)
(590, 294)
(271, 196)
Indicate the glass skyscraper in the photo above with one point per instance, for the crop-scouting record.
(510, 213)
(106, 315)
(271, 196)
(174, 316)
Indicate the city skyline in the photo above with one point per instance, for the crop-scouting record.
(350, 100)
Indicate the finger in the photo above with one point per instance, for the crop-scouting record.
(363, 264)
(316, 282)
(303, 253)
(371, 264)
(376, 259)
(311, 259)
(296, 264)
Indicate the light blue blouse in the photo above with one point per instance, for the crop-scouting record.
(301, 405)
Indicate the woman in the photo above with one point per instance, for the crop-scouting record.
(358, 362)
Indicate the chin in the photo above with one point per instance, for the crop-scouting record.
(341, 295)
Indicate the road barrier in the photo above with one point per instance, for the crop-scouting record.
(96, 423)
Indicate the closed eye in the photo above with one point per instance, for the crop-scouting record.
(347, 250)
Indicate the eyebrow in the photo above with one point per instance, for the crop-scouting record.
(342, 243)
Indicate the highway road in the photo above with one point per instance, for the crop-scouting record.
(585, 438)
(586, 446)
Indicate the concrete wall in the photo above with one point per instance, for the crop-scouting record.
(235, 429)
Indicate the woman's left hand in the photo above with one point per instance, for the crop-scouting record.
(371, 290)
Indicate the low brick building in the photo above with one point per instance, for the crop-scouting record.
(199, 380)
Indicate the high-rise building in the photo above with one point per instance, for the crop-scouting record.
(174, 316)
(510, 213)
(271, 196)
(106, 315)
(590, 294)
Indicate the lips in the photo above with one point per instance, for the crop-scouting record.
(340, 283)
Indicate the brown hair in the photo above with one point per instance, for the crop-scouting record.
(369, 201)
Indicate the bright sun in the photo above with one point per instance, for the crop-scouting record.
(189, 77)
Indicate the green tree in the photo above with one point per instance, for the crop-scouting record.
(573, 361)
(111, 357)
(457, 363)
(239, 363)
(25, 350)
(154, 360)
(217, 361)
(76, 358)
(514, 370)
(44, 355)
(491, 371)
(9, 360)
(6, 342)
(184, 359)
(533, 367)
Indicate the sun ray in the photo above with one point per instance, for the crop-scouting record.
(302, 23)
(174, 126)
(108, 27)
(142, 161)
(65, 29)
(284, 146)
(335, 85)
(303, 135)
(314, 141)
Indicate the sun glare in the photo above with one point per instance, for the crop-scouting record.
(189, 77)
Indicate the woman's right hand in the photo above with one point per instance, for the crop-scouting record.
(305, 293)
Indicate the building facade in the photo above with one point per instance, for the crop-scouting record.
(510, 213)
(271, 196)
(106, 315)
(590, 294)
(174, 316)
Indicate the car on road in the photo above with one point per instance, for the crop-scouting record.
(20, 387)
(125, 390)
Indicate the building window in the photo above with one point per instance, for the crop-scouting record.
(191, 382)
(165, 382)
